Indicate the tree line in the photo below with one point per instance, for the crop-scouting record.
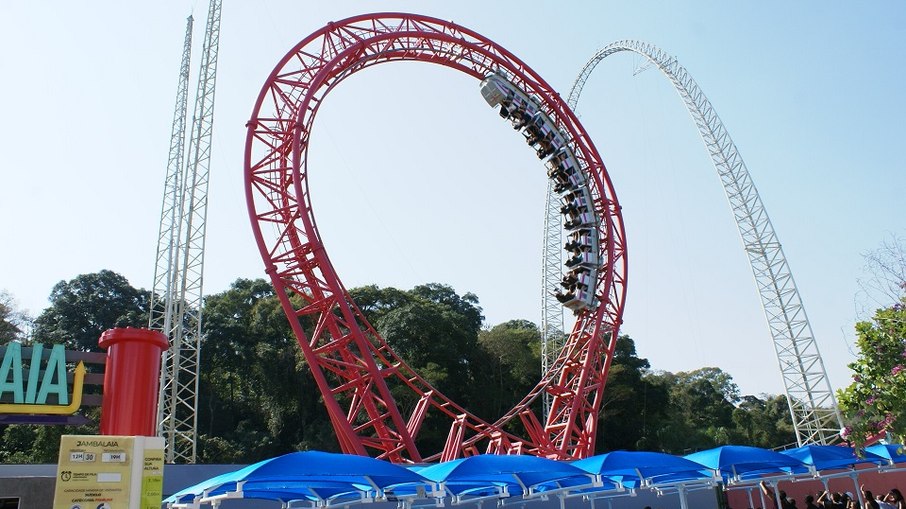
(258, 399)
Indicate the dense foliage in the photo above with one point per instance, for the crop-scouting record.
(84, 307)
(258, 398)
(875, 402)
(684, 412)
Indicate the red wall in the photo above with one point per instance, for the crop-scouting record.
(876, 482)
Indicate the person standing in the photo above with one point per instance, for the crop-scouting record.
(895, 499)
(780, 501)
(869, 498)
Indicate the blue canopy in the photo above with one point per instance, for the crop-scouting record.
(325, 478)
(894, 453)
(285, 491)
(189, 494)
(490, 474)
(308, 475)
(645, 467)
(830, 457)
(735, 462)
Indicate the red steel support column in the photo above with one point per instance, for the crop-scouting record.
(129, 406)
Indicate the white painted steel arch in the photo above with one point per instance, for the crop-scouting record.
(814, 411)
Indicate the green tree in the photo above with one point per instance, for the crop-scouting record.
(875, 401)
(632, 404)
(375, 302)
(23, 443)
(507, 367)
(673, 432)
(84, 307)
(763, 422)
(700, 411)
(706, 397)
(432, 328)
(435, 331)
(466, 306)
(257, 397)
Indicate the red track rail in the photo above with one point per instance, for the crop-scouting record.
(353, 366)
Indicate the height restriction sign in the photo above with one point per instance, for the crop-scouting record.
(109, 472)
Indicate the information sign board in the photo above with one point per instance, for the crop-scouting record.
(105, 472)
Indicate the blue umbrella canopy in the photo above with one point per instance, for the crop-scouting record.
(196, 490)
(308, 475)
(633, 469)
(316, 465)
(582, 485)
(894, 453)
(684, 476)
(487, 474)
(830, 457)
(644, 466)
(285, 491)
(735, 461)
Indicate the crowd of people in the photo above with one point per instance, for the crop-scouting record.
(893, 499)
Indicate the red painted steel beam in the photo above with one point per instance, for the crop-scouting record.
(352, 365)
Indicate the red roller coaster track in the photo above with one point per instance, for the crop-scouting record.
(355, 369)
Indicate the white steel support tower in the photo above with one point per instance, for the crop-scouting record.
(177, 298)
(552, 336)
(166, 297)
(816, 417)
(161, 298)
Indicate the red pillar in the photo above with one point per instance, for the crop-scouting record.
(131, 377)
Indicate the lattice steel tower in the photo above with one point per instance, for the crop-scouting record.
(553, 336)
(176, 302)
(814, 411)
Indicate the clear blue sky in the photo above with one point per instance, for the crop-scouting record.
(415, 179)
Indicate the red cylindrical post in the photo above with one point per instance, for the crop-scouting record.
(131, 376)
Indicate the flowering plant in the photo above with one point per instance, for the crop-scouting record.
(875, 402)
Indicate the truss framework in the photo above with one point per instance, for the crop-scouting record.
(176, 307)
(170, 222)
(353, 366)
(816, 417)
(553, 337)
